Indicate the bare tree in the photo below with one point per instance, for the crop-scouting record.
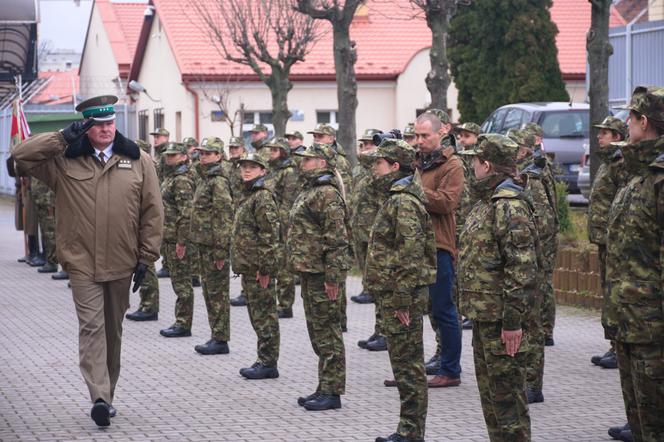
(266, 35)
(220, 95)
(340, 14)
(599, 50)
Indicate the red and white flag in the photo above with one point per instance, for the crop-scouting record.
(20, 129)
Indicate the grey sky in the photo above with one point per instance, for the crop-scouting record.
(64, 23)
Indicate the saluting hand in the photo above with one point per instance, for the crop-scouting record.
(76, 130)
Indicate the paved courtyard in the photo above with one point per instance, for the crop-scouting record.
(168, 392)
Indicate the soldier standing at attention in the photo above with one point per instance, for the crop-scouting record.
(401, 262)
(254, 256)
(236, 151)
(635, 267)
(317, 248)
(283, 182)
(109, 225)
(295, 141)
(409, 135)
(148, 308)
(259, 136)
(44, 199)
(497, 280)
(609, 177)
(160, 141)
(177, 191)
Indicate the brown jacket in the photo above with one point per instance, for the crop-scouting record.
(442, 180)
(109, 218)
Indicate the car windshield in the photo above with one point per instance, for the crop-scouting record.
(565, 124)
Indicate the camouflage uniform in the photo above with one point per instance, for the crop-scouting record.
(317, 248)
(211, 224)
(635, 274)
(283, 182)
(260, 146)
(177, 191)
(233, 171)
(255, 249)
(497, 279)
(44, 199)
(400, 263)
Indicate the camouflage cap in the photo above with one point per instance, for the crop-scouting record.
(236, 141)
(319, 150)
(174, 148)
(258, 128)
(534, 128)
(521, 137)
(160, 131)
(395, 150)
(295, 134)
(615, 124)
(441, 114)
(143, 145)
(496, 149)
(368, 134)
(409, 130)
(212, 144)
(473, 128)
(189, 141)
(323, 129)
(649, 101)
(279, 142)
(253, 158)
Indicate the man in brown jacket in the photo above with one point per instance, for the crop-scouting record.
(109, 225)
(441, 173)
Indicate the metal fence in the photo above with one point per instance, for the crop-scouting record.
(637, 59)
(125, 122)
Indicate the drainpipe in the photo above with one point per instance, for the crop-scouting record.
(628, 54)
(196, 117)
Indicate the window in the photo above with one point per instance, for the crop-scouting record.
(327, 117)
(512, 120)
(566, 124)
(143, 121)
(493, 123)
(217, 115)
(158, 115)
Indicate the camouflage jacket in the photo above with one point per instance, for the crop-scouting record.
(465, 201)
(232, 171)
(402, 249)
(283, 182)
(365, 202)
(212, 215)
(259, 147)
(177, 193)
(608, 179)
(545, 215)
(343, 166)
(635, 250)
(498, 257)
(317, 239)
(255, 239)
(41, 194)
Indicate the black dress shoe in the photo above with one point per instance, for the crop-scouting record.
(534, 396)
(595, 359)
(195, 281)
(163, 273)
(213, 347)
(467, 324)
(101, 413)
(362, 298)
(302, 399)
(433, 365)
(284, 313)
(396, 437)
(610, 361)
(378, 344)
(260, 371)
(37, 261)
(49, 267)
(60, 276)
(112, 412)
(175, 331)
(323, 402)
(344, 329)
(140, 315)
(23, 258)
(363, 343)
(549, 341)
(626, 436)
(239, 301)
(614, 432)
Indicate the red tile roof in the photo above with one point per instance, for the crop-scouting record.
(60, 89)
(573, 20)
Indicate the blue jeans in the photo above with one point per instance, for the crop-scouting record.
(445, 313)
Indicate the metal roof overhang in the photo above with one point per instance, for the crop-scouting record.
(18, 42)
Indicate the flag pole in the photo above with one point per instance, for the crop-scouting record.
(23, 181)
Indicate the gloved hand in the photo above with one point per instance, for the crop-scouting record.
(76, 130)
(139, 273)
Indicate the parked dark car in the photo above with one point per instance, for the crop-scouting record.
(565, 126)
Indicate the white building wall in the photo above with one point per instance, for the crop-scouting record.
(99, 70)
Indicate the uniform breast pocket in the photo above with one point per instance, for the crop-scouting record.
(80, 174)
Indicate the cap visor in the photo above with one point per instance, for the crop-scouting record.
(104, 118)
(469, 152)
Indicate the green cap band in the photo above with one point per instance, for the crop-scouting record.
(96, 110)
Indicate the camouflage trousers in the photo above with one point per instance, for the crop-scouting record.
(324, 327)
(216, 284)
(536, 336)
(549, 297)
(180, 270)
(406, 350)
(285, 288)
(262, 308)
(642, 381)
(501, 381)
(194, 261)
(46, 216)
(360, 251)
(601, 254)
(343, 305)
(150, 291)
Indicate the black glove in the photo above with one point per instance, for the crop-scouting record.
(76, 130)
(139, 273)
